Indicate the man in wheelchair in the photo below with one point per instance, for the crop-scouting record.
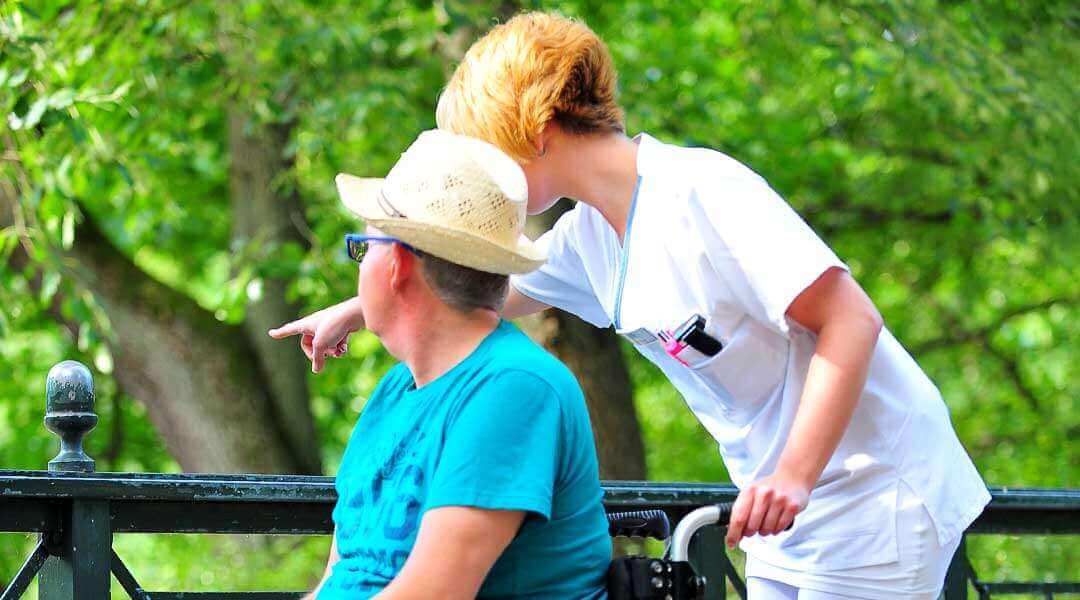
(472, 470)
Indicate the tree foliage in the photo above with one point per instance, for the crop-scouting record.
(931, 143)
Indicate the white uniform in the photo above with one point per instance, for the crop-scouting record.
(707, 235)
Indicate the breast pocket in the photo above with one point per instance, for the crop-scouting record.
(650, 346)
(749, 369)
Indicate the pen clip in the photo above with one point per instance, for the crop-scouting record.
(672, 346)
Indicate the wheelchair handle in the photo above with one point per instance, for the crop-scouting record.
(691, 523)
(640, 523)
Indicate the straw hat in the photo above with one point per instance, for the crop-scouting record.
(454, 197)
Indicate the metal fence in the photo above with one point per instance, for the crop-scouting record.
(77, 511)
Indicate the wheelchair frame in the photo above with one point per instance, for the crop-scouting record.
(670, 577)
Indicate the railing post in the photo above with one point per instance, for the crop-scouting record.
(69, 413)
(707, 555)
(956, 579)
(78, 567)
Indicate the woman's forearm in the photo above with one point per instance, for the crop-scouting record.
(834, 383)
(847, 326)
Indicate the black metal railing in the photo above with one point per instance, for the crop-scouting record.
(77, 511)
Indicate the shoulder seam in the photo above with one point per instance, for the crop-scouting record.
(530, 375)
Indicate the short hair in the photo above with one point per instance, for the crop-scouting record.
(535, 69)
(464, 288)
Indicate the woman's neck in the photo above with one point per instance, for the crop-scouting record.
(601, 171)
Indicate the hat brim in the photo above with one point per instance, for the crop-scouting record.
(360, 195)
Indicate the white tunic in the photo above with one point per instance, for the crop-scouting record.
(707, 235)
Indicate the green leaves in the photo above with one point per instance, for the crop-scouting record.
(33, 116)
(933, 145)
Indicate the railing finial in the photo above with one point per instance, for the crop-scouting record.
(69, 413)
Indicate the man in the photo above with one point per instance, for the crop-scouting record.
(472, 470)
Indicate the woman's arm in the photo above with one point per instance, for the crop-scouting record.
(330, 561)
(455, 548)
(326, 332)
(520, 305)
(847, 326)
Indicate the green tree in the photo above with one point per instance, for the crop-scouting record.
(165, 194)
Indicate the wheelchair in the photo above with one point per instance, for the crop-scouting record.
(670, 577)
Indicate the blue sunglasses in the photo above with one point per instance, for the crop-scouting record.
(357, 244)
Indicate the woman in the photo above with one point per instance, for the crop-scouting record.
(818, 410)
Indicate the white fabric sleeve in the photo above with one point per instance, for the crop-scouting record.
(761, 247)
(562, 281)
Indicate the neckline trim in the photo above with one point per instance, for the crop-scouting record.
(412, 390)
(624, 257)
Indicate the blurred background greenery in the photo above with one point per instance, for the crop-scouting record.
(166, 196)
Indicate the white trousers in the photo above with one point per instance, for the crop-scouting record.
(918, 574)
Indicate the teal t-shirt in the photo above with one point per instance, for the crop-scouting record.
(507, 429)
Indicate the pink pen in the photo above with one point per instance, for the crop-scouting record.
(672, 346)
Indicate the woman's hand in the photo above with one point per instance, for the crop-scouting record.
(767, 507)
(324, 333)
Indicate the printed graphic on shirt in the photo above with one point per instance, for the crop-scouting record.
(393, 497)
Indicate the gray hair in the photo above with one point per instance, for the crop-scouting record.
(464, 288)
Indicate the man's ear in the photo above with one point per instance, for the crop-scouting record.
(403, 266)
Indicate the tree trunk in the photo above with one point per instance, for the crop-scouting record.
(595, 357)
(263, 215)
(221, 400)
(198, 378)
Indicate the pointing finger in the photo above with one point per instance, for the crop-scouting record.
(289, 329)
